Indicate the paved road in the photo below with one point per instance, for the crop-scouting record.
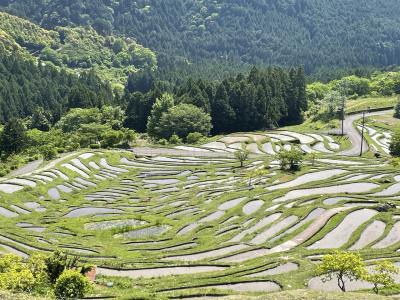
(355, 135)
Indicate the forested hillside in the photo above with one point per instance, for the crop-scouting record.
(77, 49)
(26, 87)
(235, 33)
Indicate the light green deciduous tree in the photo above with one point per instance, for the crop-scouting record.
(242, 156)
(382, 275)
(341, 266)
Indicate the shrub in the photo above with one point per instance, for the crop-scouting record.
(194, 137)
(20, 280)
(174, 139)
(58, 262)
(94, 146)
(254, 176)
(397, 110)
(163, 142)
(71, 284)
(290, 159)
(129, 138)
(38, 268)
(19, 276)
(49, 152)
(111, 138)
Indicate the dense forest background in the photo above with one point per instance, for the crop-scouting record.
(196, 35)
(77, 49)
(26, 87)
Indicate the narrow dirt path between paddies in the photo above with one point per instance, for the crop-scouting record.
(28, 168)
(146, 151)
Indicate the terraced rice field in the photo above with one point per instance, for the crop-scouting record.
(271, 143)
(379, 138)
(191, 225)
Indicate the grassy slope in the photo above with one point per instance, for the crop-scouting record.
(387, 121)
(371, 102)
(4, 295)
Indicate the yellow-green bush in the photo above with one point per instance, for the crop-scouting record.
(71, 284)
(15, 275)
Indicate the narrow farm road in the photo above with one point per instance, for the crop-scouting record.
(354, 135)
(147, 151)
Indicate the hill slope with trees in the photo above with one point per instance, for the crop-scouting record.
(27, 86)
(77, 49)
(314, 33)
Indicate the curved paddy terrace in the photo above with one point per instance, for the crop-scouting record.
(271, 142)
(191, 224)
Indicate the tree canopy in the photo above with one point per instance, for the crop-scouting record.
(184, 119)
(342, 266)
(27, 87)
(220, 34)
(264, 98)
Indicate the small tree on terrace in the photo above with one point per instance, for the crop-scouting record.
(313, 156)
(255, 176)
(382, 275)
(242, 156)
(341, 266)
(290, 159)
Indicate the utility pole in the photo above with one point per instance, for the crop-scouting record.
(343, 99)
(343, 88)
(362, 132)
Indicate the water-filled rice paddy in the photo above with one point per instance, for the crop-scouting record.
(193, 224)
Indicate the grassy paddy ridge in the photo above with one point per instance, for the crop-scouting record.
(306, 294)
(169, 227)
